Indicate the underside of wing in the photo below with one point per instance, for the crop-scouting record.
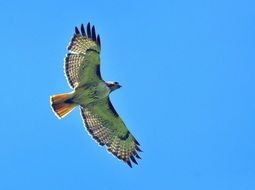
(107, 128)
(83, 54)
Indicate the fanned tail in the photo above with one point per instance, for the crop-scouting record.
(62, 104)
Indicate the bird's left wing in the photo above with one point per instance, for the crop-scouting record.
(106, 127)
(82, 63)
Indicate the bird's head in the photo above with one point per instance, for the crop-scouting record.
(112, 85)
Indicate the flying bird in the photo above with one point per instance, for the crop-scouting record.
(91, 94)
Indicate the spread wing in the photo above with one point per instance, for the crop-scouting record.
(106, 127)
(82, 61)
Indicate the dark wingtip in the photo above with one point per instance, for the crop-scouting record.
(136, 155)
(133, 159)
(98, 41)
(88, 30)
(83, 30)
(136, 142)
(138, 149)
(77, 30)
(93, 33)
(129, 163)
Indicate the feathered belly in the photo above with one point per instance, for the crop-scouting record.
(90, 93)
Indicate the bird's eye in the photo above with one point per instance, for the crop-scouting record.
(116, 83)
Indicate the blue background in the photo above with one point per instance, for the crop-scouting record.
(187, 69)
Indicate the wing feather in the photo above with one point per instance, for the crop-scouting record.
(83, 54)
(108, 129)
(88, 30)
(83, 30)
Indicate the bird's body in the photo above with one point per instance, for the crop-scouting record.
(91, 93)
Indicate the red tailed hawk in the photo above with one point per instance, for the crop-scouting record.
(91, 93)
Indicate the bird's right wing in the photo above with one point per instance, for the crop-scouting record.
(82, 63)
(107, 128)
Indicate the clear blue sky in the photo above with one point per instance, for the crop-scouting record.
(188, 73)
